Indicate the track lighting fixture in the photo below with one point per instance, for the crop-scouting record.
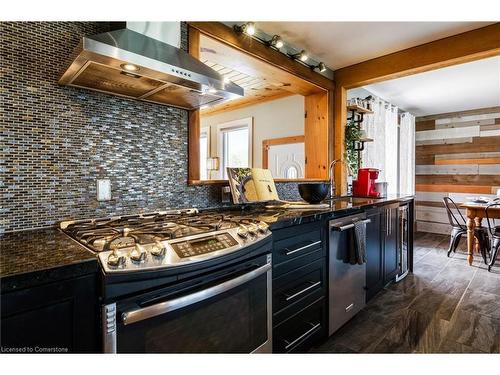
(247, 28)
(276, 42)
(302, 56)
(321, 67)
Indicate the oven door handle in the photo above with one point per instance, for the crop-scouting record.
(161, 308)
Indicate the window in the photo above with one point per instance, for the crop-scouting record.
(235, 144)
(204, 152)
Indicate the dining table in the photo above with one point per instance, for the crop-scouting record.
(475, 213)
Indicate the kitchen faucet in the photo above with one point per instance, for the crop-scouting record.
(332, 177)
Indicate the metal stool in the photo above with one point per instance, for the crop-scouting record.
(495, 236)
(459, 227)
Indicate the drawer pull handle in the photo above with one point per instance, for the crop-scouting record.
(309, 287)
(290, 252)
(307, 333)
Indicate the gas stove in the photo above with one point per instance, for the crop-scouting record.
(164, 239)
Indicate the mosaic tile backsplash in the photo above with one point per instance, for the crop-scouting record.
(56, 141)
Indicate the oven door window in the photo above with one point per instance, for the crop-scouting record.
(234, 321)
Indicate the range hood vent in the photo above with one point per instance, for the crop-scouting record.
(134, 65)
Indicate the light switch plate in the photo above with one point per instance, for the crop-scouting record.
(103, 190)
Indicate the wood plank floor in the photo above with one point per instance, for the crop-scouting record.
(446, 306)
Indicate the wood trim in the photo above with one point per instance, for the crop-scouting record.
(225, 34)
(471, 112)
(194, 145)
(316, 134)
(340, 114)
(265, 99)
(457, 49)
(467, 161)
(478, 144)
(194, 117)
(429, 204)
(425, 125)
(463, 179)
(475, 189)
(277, 141)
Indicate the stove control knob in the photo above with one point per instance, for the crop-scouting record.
(116, 260)
(242, 232)
(263, 227)
(158, 250)
(138, 253)
(253, 230)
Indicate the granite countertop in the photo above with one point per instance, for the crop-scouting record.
(281, 217)
(35, 257)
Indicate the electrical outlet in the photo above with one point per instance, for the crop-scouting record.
(225, 194)
(103, 189)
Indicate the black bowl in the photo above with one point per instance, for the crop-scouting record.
(314, 192)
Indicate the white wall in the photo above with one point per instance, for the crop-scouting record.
(275, 119)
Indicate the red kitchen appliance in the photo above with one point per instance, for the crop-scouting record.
(364, 186)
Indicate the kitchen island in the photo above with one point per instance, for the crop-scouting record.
(69, 275)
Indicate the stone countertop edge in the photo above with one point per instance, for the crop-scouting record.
(41, 256)
(36, 257)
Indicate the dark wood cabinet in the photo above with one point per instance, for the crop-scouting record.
(299, 287)
(57, 317)
(383, 239)
(374, 254)
(390, 241)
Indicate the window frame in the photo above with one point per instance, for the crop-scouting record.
(224, 127)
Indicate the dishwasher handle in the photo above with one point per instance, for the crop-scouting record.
(342, 228)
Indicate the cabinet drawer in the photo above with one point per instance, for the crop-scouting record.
(302, 330)
(297, 245)
(297, 262)
(296, 286)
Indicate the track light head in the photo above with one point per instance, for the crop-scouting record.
(247, 28)
(302, 56)
(321, 67)
(276, 42)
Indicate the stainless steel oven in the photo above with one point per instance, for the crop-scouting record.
(223, 311)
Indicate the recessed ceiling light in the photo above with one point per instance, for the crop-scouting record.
(130, 67)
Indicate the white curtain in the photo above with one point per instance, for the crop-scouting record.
(382, 153)
(407, 154)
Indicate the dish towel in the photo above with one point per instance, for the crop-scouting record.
(356, 252)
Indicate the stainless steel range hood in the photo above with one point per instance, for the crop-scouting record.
(135, 65)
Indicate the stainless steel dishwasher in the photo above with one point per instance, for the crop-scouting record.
(346, 281)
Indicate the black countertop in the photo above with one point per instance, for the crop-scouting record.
(35, 257)
(278, 218)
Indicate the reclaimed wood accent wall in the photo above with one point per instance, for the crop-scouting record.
(457, 155)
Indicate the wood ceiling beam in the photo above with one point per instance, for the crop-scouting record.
(457, 49)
